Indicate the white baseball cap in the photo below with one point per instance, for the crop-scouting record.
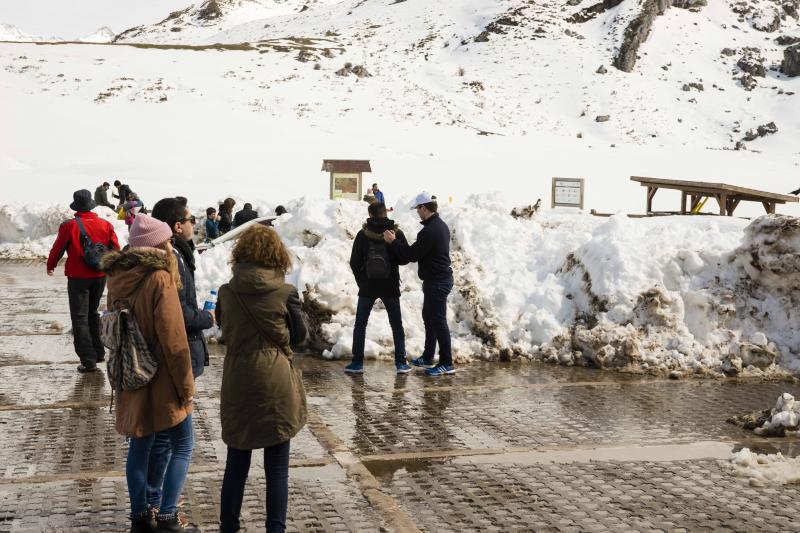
(422, 198)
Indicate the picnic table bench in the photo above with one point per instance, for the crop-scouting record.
(727, 196)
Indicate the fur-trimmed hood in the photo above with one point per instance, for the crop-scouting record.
(125, 270)
(374, 227)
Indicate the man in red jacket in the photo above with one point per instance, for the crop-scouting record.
(85, 285)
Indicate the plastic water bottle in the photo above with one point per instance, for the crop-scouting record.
(211, 303)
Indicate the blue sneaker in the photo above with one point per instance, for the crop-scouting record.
(440, 370)
(354, 368)
(403, 368)
(422, 363)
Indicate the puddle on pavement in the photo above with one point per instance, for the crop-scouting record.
(385, 470)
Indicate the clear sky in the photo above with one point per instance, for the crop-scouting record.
(71, 19)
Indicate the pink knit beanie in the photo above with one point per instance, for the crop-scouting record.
(148, 231)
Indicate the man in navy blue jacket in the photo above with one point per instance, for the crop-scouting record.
(431, 252)
(174, 212)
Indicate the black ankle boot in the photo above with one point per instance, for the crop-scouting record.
(167, 523)
(143, 524)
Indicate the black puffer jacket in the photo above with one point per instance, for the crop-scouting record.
(194, 318)
(373, 232)
(245, 215)
(431, 250)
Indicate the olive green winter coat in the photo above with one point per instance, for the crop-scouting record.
(262, 401)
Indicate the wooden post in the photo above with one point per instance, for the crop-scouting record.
(733, 203)
(651, 191)
(683, 202)
(722, 200)
(769, 207)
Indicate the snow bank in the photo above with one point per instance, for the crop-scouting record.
(681, 294)
(763, 469)
(28, 231)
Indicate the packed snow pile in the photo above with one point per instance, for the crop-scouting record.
(680, 294)
(28, 231)
(781, 421)
(766, 469)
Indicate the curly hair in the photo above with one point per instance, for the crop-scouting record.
(262, 245)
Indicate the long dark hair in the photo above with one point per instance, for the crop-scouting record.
(227, 206)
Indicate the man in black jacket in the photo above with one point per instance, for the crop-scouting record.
(122, 193)
(245, 215)
(175, 213)
(376, 270)
(432, 253)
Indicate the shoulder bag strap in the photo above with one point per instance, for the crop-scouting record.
(263, 333)
(84, 235)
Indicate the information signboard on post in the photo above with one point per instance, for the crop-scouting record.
(567, 192)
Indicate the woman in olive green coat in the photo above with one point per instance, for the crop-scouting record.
(263, 404)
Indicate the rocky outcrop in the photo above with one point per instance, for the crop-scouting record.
(587, 14)
(767, 21)
(637, 33)
(752, 62)
(761, 131)
(791, 61)
(689, 4)
(209, 11)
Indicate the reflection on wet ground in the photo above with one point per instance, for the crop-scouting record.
(497, 447)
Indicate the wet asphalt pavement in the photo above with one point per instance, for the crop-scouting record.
(497, 447)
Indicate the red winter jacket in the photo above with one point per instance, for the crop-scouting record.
(69, 240)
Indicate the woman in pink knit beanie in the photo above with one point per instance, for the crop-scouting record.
(146, 277)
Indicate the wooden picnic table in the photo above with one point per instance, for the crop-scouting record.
(727, 196)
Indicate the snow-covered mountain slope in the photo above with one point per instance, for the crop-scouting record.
(11, 33)
(102, 35)
(532, 66)
(461, 97)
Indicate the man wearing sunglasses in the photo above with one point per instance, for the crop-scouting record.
(174, 212)
(432, 253)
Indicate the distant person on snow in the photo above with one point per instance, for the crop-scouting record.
(212, 224)
(795, 192)
(101, 196)
(280, 210)
(369, 196)
(132, 206)
(245, 215)
(432, 252)
(377, 273)
(85, 284)
(378, 194)
(226, 215)
(122, 193)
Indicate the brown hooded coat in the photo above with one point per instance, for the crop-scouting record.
(262, 401)
(141, 275)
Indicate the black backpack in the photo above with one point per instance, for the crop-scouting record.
(93, 252)
(378, 265)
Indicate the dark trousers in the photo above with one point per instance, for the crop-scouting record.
(363, 311)
(434, 316)
(237, 466)
(84, 299)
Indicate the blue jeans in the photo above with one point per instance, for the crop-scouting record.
(181, 440)
(434, 316)
(395, 320)
(160, 454)
(237, 466)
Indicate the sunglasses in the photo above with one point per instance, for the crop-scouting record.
(191, 219)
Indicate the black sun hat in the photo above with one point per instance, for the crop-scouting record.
(82, 201)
